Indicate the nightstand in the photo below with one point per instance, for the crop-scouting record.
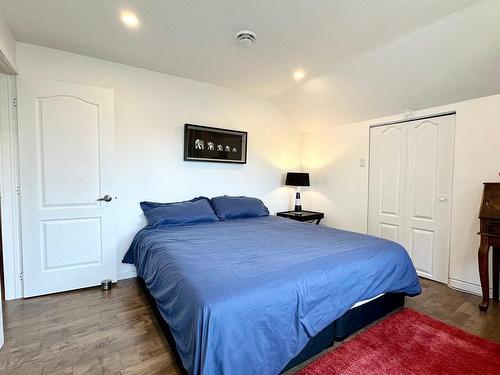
(302, 216)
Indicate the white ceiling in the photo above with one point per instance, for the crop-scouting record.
(195, 38)
(453, 59)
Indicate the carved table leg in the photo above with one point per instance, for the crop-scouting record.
(482, 256)
(496, 271)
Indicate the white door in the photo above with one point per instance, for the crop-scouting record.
(65, 151)
(388, 149)
(429, 179)
(423, 219)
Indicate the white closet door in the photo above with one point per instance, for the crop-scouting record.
(429, 176)
(65, 154)
(388, 153)
(411, 168)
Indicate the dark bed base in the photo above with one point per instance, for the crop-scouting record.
(349, 323)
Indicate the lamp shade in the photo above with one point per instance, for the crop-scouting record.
(297, 179)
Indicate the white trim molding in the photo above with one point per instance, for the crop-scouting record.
(9, 189)
(127, 274)
(467, 287)
(7, 66)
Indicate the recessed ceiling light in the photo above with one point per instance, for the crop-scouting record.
(299, 74)
(130, 19)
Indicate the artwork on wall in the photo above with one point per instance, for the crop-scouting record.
(203, 143)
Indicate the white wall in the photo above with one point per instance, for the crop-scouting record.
(150, 112)
(340, 185)
(7, 46)
(151, 108)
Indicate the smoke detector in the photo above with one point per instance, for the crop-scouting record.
(245, 38)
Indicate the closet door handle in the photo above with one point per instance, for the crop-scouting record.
(106, 198)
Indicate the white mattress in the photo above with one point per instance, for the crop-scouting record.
(366, 301)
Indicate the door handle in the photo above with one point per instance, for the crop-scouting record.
(106, 198)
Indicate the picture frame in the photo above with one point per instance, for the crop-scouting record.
(209, 144)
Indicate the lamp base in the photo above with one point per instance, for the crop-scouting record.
(298, 204)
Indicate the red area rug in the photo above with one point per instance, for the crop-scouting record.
(410, 343)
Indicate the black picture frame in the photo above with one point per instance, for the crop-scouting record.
(203, 143)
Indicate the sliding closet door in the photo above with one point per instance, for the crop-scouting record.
(411, 168)
(388, 153)
(429, 176)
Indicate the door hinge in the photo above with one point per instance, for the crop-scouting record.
(18, 190)
(21, 276)
(14, 102)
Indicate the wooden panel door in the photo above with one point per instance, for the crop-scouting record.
(387, 198)
(65, 150)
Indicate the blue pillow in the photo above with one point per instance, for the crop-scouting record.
(238, 207)
(194, 211)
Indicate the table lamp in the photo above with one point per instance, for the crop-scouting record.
(297, 179)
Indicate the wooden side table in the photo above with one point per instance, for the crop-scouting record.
(302, 216)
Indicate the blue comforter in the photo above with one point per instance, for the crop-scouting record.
(244, 296)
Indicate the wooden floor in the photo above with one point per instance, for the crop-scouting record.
(115, 332)
(458, 309)
(85, 332)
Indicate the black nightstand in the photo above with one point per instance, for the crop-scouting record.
(302, 216)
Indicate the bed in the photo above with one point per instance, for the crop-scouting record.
(248, 296)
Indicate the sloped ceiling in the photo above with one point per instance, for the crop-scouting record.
(195, 38)
(453, 59)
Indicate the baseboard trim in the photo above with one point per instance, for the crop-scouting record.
(127, 275)
(465, 286)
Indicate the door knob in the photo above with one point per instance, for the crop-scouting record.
(443, 197)
(106, 198)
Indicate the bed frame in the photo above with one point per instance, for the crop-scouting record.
(341, 328)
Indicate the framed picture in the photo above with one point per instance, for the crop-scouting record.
(203, 143)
